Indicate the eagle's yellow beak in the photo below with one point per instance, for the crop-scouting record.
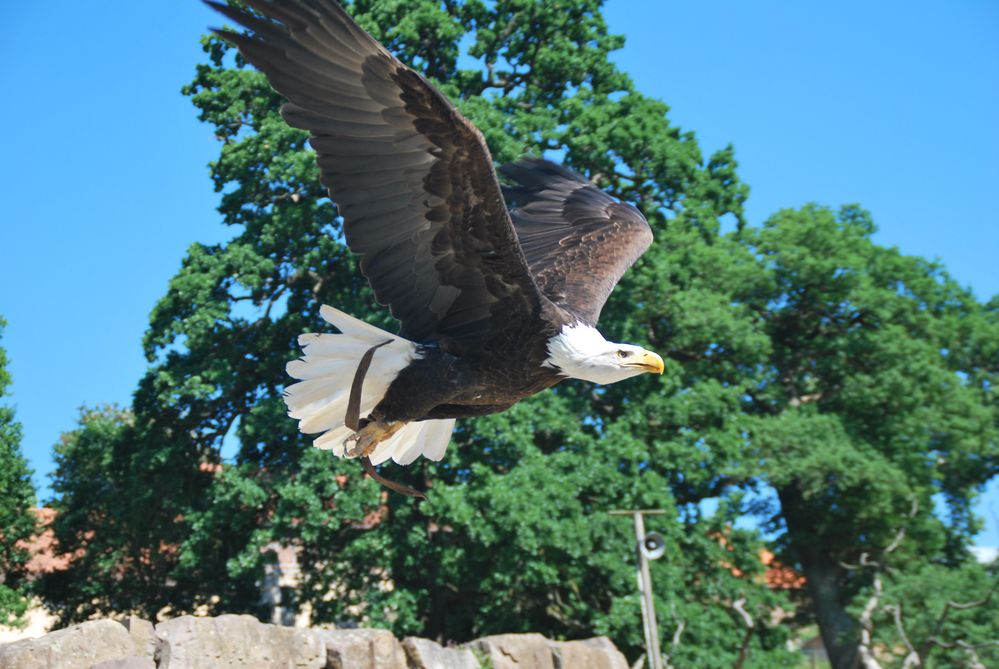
(649, 362)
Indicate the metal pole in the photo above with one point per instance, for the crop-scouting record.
(649, 626)
(648, 603)
(639, 572)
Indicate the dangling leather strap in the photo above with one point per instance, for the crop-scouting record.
(353, 421)
(353, 417)
(391, 485)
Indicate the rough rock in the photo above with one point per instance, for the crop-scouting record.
(516, 651)
(143, 636)
(77, 647)
(134, 662)
(362, 649)
(231, 641)
(427, 654)
(236, 641)
(596, 653)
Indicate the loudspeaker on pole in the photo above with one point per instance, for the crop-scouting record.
(653, 546)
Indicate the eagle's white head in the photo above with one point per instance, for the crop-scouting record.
(580, 352)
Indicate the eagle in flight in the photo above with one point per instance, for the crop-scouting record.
(495, 302)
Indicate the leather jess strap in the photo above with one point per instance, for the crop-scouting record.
(353, 417)
(352, 420)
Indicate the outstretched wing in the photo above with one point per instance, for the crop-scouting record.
(578, 240)
(413, 179)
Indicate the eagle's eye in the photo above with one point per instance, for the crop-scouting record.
(622, 354)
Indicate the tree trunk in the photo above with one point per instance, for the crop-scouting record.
(823, 575)
(839, 631)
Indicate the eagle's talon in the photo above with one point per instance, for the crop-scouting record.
(368, 437)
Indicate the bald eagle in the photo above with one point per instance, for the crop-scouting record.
(495, 303)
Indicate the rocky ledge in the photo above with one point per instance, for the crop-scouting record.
(242, 641)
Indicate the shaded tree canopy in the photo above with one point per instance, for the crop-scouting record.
(17, 497)
(800, 355)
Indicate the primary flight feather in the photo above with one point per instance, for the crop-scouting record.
(495, 304)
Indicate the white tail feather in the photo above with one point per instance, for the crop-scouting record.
(428, 438)
(319, 399)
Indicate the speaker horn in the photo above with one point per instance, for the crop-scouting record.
(653, 546)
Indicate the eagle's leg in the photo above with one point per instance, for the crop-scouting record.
(373, 432)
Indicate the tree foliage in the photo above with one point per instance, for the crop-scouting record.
(945, 616)
(17, 497)
(801, 357)
(874, 394)
(514, 535)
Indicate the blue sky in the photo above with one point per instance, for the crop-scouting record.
(889, 104)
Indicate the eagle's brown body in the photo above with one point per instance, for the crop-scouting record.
(441, 385)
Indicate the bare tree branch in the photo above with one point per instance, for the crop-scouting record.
(866, 647)
(677, 633)
(739, 606)
(934, 640)
(912, 658)
(974, 662)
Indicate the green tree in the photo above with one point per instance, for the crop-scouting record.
(514, 535)
(116, 516)
(923, 613)
(875, 392)
(945, 616)
(17, 497)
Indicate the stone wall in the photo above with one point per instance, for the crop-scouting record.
(190, 642)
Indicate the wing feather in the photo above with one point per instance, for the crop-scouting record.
(578, 240)
(412, 178)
